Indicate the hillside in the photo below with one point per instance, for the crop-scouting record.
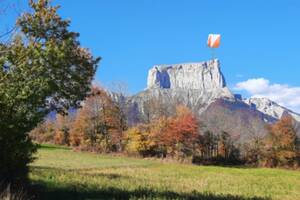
(60, 173)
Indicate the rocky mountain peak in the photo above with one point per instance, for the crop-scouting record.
(195, 85)
(270, 107)
(205, 76)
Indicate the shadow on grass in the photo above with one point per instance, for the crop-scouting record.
(142, 193)
(69, 191)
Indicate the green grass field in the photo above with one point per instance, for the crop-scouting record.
(59, 173)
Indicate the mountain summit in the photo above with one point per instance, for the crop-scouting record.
(204, 76)
(271, 108)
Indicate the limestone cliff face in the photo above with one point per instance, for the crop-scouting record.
(198, 81)
(204, 76)
(195, 85)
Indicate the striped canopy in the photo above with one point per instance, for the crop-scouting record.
(213, 40)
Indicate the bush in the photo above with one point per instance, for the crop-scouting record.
(16, 151)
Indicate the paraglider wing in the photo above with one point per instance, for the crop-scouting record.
(213, 40)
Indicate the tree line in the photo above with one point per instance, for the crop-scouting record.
(101, 126)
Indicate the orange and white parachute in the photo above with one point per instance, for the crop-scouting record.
(213, 40)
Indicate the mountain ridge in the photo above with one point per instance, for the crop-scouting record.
(270, 107)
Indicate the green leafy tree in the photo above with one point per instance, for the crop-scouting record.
(43, 68)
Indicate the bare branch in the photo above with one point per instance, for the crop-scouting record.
(8, 32)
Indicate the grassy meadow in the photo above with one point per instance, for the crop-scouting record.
(60, 173)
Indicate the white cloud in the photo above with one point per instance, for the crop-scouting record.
(283, 94)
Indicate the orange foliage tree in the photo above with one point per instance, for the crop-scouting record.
(97, 125)
(182, 133)
(44, 132)
(176, 136)
(62, 129)
(280, 144)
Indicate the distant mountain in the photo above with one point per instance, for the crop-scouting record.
(271, 108)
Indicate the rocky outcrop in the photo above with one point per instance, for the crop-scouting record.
(193, 84)
(270, 108)
(203, 76)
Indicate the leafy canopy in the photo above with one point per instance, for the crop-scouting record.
(43, 68)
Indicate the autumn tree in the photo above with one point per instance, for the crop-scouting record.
(97, 124)
(77, 131)
(63, 124)
(147, 139)
(44, 132)
(253, 151)
(280, 144)
(137, 140)
(158, 136)
(182, 133)
(224, 145)
(175, 136)
(119, 93)
(228, 152)
(118, 121)
(209, 143)
(43, 68)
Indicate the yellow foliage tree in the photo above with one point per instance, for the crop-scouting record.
(138, 140)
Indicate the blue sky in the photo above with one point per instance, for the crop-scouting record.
(260, 43)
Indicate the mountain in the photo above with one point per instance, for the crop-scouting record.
(202, 87)
(274, 110)
(270, 108)
(195, 85)
(205, 76)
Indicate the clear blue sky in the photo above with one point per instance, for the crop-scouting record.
(260, 38)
